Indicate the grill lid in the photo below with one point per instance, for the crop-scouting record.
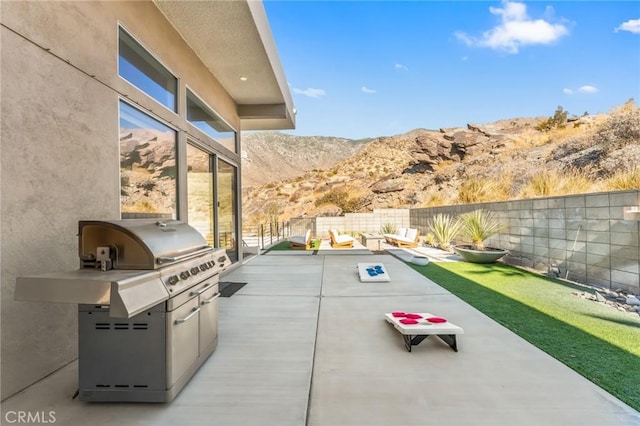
(137, 243)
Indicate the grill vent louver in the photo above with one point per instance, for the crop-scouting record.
(102, 385)
(122, 326)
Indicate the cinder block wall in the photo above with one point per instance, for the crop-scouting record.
(362, 222)
(584, 238)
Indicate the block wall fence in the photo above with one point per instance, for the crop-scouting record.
(587, 238)
(362, 222)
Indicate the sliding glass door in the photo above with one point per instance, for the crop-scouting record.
(200, 196)
(227, 209)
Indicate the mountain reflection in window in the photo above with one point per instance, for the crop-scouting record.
(147, 166)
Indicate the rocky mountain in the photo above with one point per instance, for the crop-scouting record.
(148, 171)
(274, 156)
(507, 159)
(286, 176)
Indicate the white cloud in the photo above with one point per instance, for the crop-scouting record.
(567, 91)
(401, 67)
(516, 30)
(310, 92)
(588, 89)
(365, 89)
(632, 25)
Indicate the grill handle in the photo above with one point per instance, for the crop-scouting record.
(202, 290)
(198, 252)
(211, 299)
(185, 319)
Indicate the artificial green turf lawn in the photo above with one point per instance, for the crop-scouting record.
(597, 341)
(284, 245)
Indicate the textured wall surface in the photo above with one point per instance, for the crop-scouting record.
(60, 152)
(583, 237)
(59, 165)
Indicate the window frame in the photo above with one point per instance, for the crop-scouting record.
(151, 55)
(207, 109)
(137, 108)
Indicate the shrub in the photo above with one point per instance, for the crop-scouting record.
(478, 190)
(625, 179)
(558, 121)
(430, 239)
(552, 182)
(436, 199)
(340, 198)
(444, 229)
(388, 228)
(479, 225)
(272, 211)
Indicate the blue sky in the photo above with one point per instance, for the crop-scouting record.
(366, 69)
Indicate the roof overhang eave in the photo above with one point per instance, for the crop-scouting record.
(217, 32)
(267, 117)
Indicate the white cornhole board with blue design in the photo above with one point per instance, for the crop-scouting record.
(365, 277)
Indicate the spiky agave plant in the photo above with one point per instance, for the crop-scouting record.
(479, 225)
(388, 228)
(444, 229)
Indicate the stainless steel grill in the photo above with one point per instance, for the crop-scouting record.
(147, 295)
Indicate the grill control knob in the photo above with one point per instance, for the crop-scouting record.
(211, 264)
(194, 270)
(204, 267)
(184, 275)
(173, 280)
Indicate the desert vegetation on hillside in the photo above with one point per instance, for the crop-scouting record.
(508, 159)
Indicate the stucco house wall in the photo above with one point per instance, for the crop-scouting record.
(60, 152)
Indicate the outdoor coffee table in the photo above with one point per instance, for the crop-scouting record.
(414, 334)
(372, 241)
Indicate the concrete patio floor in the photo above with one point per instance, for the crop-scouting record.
(305, 343)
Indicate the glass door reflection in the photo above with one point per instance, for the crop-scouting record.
(200, 197)
(227, 209)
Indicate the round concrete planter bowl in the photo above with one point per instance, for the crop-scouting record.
(489, 255)
(420, 260)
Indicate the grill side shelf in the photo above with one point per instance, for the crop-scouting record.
(133, 296)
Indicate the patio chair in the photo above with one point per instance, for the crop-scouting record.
(300, 242)
(340, 241)
(390, 238)
(410, 240)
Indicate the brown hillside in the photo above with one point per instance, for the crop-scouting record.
(273, 156)
(507, 159)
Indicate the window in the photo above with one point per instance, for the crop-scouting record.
(227, 212)
(200, 192)
(139, 68)
(149, 147)
(147, 165)
(201, 116)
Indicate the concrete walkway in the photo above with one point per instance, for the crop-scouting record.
(305, 343)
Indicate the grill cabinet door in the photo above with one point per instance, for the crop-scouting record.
(209, 320)
(182, 335)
